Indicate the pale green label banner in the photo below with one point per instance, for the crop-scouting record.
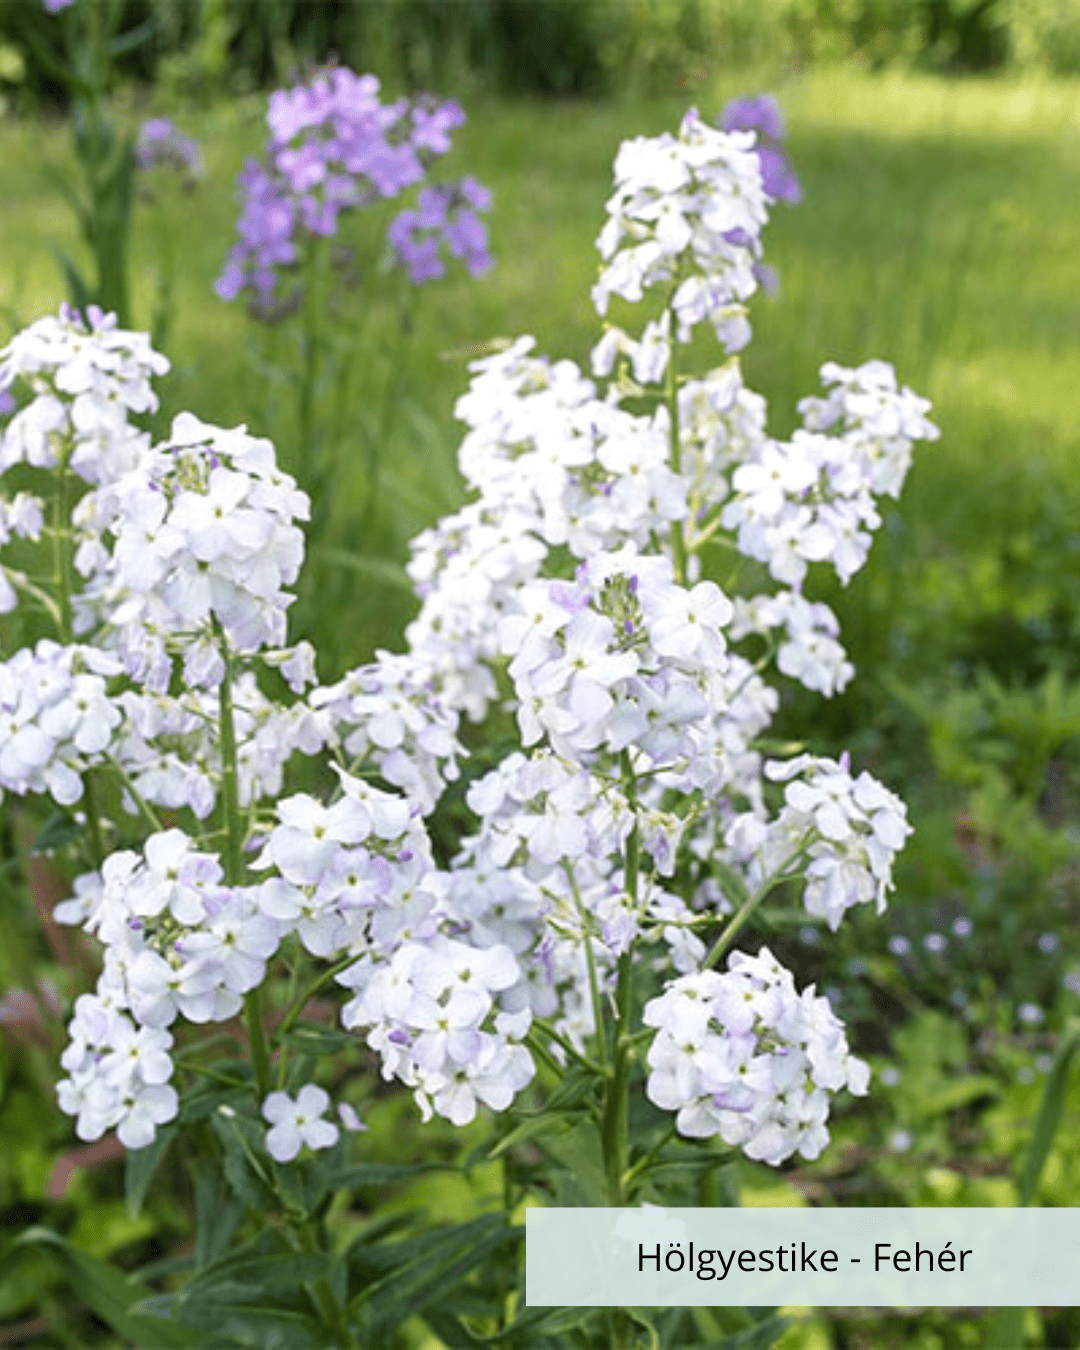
(933, 1258)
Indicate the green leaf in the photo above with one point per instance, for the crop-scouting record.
(549, 1321)
(1005, 1328)
(240, 1140)
(57, 832)
(252, 1323)
(140, 1164)
(757, 1337)
(733, 885)
(383, 570)
(134, 37)
(535, 1127)
(267, 1264)
(1049, 1117)
(433, 1276)
(309, 1038)
(382, 1174)
(217, 1213)
(106, 1291)
(953, 1096)
(577, 1148)
(77, 286)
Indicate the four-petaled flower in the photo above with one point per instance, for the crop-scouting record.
(296, 1123)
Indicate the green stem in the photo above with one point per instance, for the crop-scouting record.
(568, 1047)
(64, 569)
(678, 539)
(323, 979)
(62, 550)
(391, 402)
(590, 963)
(543, 1054)
(145, 809)
(93, 818)
(234, 849)
(727, 937)
(615, 1129)
(225, 1079)
(647, 1159)
(312, 355)
(330, 1310)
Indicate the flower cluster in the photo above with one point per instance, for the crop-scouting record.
(436, 1021)
(56, 718)
(206, 543)
(334, 147)
(745, 1056)
(387, 713)
(686, 216)
(178, 943)
(85, 376)
(162, 145)
(631, 827)
(445, 221)
(639, 813)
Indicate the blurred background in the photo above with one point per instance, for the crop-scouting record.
(936, 142)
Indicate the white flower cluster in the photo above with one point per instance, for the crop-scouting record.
(56, 718)
(168, 744)
(388, 713)
(85, 377)
(205, 534)
(843, 832)
(857, 826)
(349, 876)
(178, 943)
(441, 1027)
(570, 596)
(685, 216)
(639, 688)
(119, 1075)
(620, 657)
(356, 878)
(878, 420)
(744, 1056)
(808, 649)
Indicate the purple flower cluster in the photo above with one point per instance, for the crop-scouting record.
(334, 147)
(445, 218)
(761, 113)
(161, 144)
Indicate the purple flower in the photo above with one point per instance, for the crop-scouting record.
(761, 113)
(334, 147)
(161, 144)
(55, 6)
(445, 221)
(754, 112)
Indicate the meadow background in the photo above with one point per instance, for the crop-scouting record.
(937, 144)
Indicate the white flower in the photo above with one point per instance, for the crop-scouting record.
(296, 1123)
(742, 1055)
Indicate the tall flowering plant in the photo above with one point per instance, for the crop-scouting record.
(335, 153)
(553, 929)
